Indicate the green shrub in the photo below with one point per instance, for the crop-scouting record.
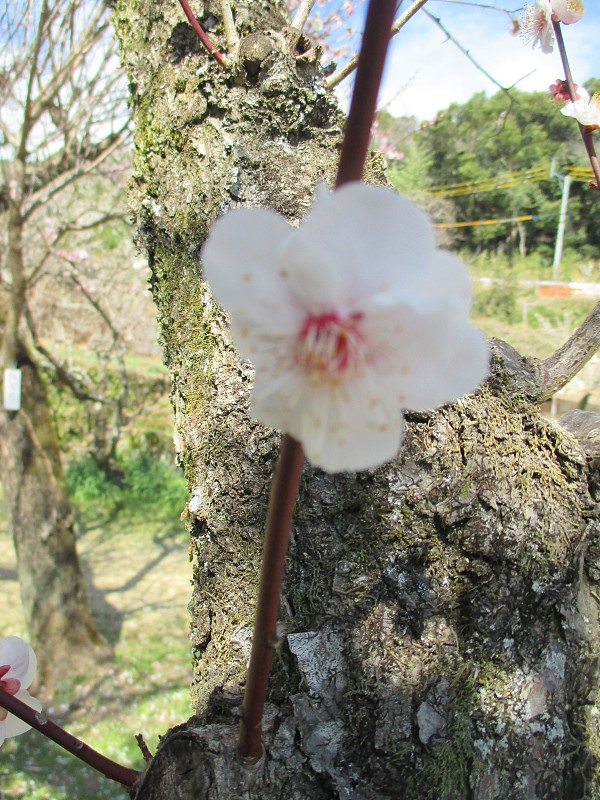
(559, 312)
(135, 479)
(499, 300)
(88, 483)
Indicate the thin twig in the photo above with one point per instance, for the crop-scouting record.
(301, 15)
(586, 132)
(399, 23)
(467, 53)
(116, 772)
(562, 366)
(231, 34)
(203, 36)
(355, 146)
(139, 737)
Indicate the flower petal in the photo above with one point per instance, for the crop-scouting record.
(341, 432)
(351, 317)
(13, 726)
(238, 257)
(586, 110)
(567, 11)
(458, 371)
(21, 658)
(537, 25)
(374, 237)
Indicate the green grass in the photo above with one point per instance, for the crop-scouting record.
(510, 308)
(133, 551)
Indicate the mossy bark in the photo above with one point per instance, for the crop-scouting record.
(439, 621)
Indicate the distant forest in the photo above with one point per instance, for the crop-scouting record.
(498, 158)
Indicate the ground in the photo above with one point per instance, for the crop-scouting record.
(138, 578)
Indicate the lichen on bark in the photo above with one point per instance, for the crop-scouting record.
(439, 622)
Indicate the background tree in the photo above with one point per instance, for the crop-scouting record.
(63, 118)
(474, 143)
(441, 623)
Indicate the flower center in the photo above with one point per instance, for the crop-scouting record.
(535, 23)
(330, 346)
(10, 686)
(576, 6)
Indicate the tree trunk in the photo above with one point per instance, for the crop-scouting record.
(439, 622)
(53, 594)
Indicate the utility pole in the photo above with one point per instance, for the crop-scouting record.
(562, 220)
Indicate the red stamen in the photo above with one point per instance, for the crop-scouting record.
(328, 344)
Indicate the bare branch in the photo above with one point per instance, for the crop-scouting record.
(488, 6)
(231, 35)
(92, 34)
(302, 13)
(468, 55)
(33, 74)
(105, 149)
(399, 23)
(66, 377)
(557, 370)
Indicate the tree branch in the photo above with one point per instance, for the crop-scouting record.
(355, 147)
(399, 23)
(28, 115)
(562, 366)
(467, 53)
(302, 13)
(586, 133)
(203, 36)
(99, 153)
(106, 766)
(231, 35)
(63, 374)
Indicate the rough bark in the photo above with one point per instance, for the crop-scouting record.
(439, 619)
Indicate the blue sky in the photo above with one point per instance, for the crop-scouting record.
(426, 72)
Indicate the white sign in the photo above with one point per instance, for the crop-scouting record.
(12, 389)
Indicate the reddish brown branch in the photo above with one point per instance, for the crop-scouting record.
(376, 39)
(355, 146)
(202, 35)
(281, 507)
(116, 772)
(586, 133)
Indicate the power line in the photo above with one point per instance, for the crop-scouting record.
(508, 180)
(478, 222)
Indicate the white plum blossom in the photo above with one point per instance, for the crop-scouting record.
(586, 110)
(17, 668)
(347, 320)
(537, 25)
(567, 11)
